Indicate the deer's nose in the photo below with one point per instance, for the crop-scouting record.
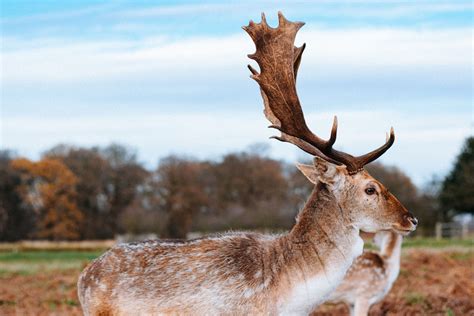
(412, 219)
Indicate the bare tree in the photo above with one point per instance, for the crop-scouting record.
(16, 218)
(181, 193)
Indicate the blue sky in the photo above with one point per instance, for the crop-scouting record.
(170, 77)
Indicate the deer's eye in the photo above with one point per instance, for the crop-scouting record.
(370, 191)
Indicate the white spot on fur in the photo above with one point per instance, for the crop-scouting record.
(248, 293)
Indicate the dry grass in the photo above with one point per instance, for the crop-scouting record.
(47, 293)
(430, 283)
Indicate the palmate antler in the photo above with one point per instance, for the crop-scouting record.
(279, 60)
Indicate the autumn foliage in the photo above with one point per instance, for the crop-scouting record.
(49, 187)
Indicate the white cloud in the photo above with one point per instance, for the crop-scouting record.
(169, 10)
(56, 15)
(388, 9)
(425, 143)
(370, 50)
(328, 8)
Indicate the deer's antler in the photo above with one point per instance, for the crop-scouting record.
(279, 60)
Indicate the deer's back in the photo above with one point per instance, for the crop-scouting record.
(196, 277)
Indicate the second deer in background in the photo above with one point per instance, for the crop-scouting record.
(371, 276)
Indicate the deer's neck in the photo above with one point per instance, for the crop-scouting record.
(324, 226)
(391, 247)
(321, 246)
(391, 251)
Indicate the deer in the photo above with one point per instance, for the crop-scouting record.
(249, 273)
(371, 276)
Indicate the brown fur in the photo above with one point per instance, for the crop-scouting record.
(372, 259)
(390, 246)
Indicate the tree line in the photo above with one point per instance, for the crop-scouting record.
(75, 193)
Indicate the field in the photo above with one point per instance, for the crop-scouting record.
(436, 278)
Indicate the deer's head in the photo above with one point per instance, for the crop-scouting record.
(370, 205)
(365, 201)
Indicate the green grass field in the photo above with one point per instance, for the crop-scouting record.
(31, 262)
(431, 243)
(434, 243)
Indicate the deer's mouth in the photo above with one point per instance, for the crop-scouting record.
(403, 230)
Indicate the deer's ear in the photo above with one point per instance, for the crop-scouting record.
(321, 171)
(309, 172)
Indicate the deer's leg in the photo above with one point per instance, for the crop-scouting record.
(361, 308)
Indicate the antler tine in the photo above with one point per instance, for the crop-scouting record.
(298, 51)
(252, 70)
(332, 138)
(283, 22)
(279, 61)
(264, 20)
(371, 156)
